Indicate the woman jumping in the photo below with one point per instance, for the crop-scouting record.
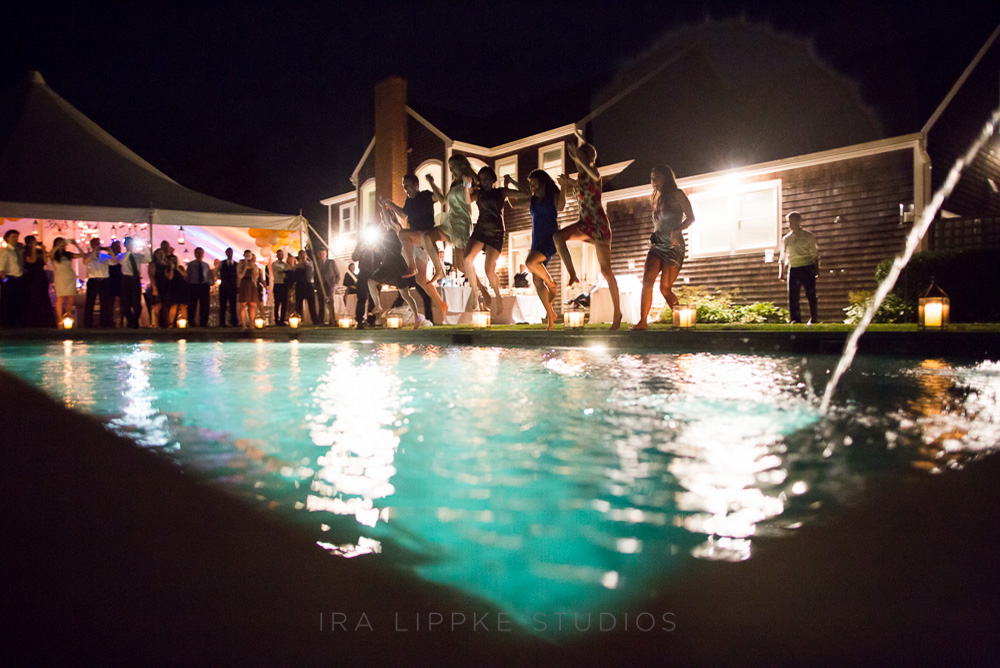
(489, 234)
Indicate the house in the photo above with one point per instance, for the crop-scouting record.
(754, 127)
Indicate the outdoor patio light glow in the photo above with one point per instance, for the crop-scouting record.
(370, 234)
(182, 323)
(294, 320)
(393, 322)
(573, 318)
(935, 309)
(684, 316)
(481, 319)
(180, 236)
(345, 323)
(258, 322)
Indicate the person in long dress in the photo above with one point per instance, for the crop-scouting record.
(37, 303)
(592, 226)
(547, 200)
(64, 277)
(489, 234)
(672, 213)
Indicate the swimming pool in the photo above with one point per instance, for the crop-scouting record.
(546, 481)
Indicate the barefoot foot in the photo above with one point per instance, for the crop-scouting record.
(639, 325)
(617, 322)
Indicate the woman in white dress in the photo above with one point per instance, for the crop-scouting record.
(64, 278)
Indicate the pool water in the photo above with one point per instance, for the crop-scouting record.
(544, 480)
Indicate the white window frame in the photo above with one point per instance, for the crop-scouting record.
(439, 176)
(587, 266)
(561, 146)
(733, 195)
(517, 242)
(504, 164)
(363, 204)
(348, 222)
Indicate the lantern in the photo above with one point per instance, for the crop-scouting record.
(345, 323)
(182, 323)
(934, 310)
(684, 316)
(67, 322)
(180, 236)
(573, 318)
(258, 322)
(481, 319)
(393, 322)
(294, 320)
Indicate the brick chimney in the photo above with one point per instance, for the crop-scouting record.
(390, 138)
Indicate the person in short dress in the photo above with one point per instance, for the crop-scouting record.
(488, 235)
(248, 273)
(672, 213)
(592, 226)
(64, 277)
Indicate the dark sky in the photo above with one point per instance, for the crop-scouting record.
(269, 104)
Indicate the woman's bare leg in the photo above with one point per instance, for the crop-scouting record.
(536, 265)
(471, 251)
(407, 296)
(408, 239)
(429, 288)
(604, 259)
(670, 272)
(492, 254)
(570, 233)
(429, 243)
(546, 297)
(649, 273)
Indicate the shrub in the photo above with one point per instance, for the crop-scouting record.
(718, 307)
(892, 310)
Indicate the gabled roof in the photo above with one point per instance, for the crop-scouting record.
(56, 163)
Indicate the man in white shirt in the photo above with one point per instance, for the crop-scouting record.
(279, 269)
(800, 254)
(11, 284)
(199, 280)
(136, 253)
(98, 286)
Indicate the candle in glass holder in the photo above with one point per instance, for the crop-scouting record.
(294, 320)
(67, 322)
(684, 316)
(481, 319)
(345, 323)
(182, 323)
(258, 322)
(393, 322)
(573, 318)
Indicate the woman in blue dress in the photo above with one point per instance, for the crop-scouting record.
(547, 200)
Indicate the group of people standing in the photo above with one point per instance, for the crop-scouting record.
(175, 290)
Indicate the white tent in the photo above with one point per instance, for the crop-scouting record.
(55, 163)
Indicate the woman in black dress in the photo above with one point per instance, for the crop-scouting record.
(38, 311)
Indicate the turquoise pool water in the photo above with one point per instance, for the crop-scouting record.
(546, 481)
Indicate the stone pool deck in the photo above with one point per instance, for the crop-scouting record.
(113, 556)
(970, 341)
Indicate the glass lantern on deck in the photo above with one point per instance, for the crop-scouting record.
(935, 309)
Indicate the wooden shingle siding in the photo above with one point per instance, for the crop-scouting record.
(423, 145)
(864, 192)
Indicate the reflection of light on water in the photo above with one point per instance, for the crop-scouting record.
(355, 405)
(364, 545)
(182, 369)
(139, 419)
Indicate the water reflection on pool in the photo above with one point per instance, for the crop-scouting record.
(547, 481)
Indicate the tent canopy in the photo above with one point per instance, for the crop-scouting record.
(56, 163)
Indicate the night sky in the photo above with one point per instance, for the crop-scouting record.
(269, 104)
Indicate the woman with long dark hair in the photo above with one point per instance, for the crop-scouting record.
(672, 213)
(547, 200)
(37, 303)
(64, 277)
(489, 234)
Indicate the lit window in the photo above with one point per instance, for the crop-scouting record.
(367, 202)
(504, 167)
(436, 169)
(732, 220)
(550, 158)
(348, 213)
(518, 247)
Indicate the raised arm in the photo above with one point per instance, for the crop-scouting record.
(389, 205)
(436, 193)
(582, 166)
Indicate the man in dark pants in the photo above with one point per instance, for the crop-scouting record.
(11, 280)
(131, 262)
(282, 275)
(801, 255)
(227, 291)
(98, 286)
(199, 280)
(367, 255)
(304, 292)
(327, 278)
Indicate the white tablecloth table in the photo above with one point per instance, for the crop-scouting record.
(457, 297)
(521, 309)
(629, 291)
